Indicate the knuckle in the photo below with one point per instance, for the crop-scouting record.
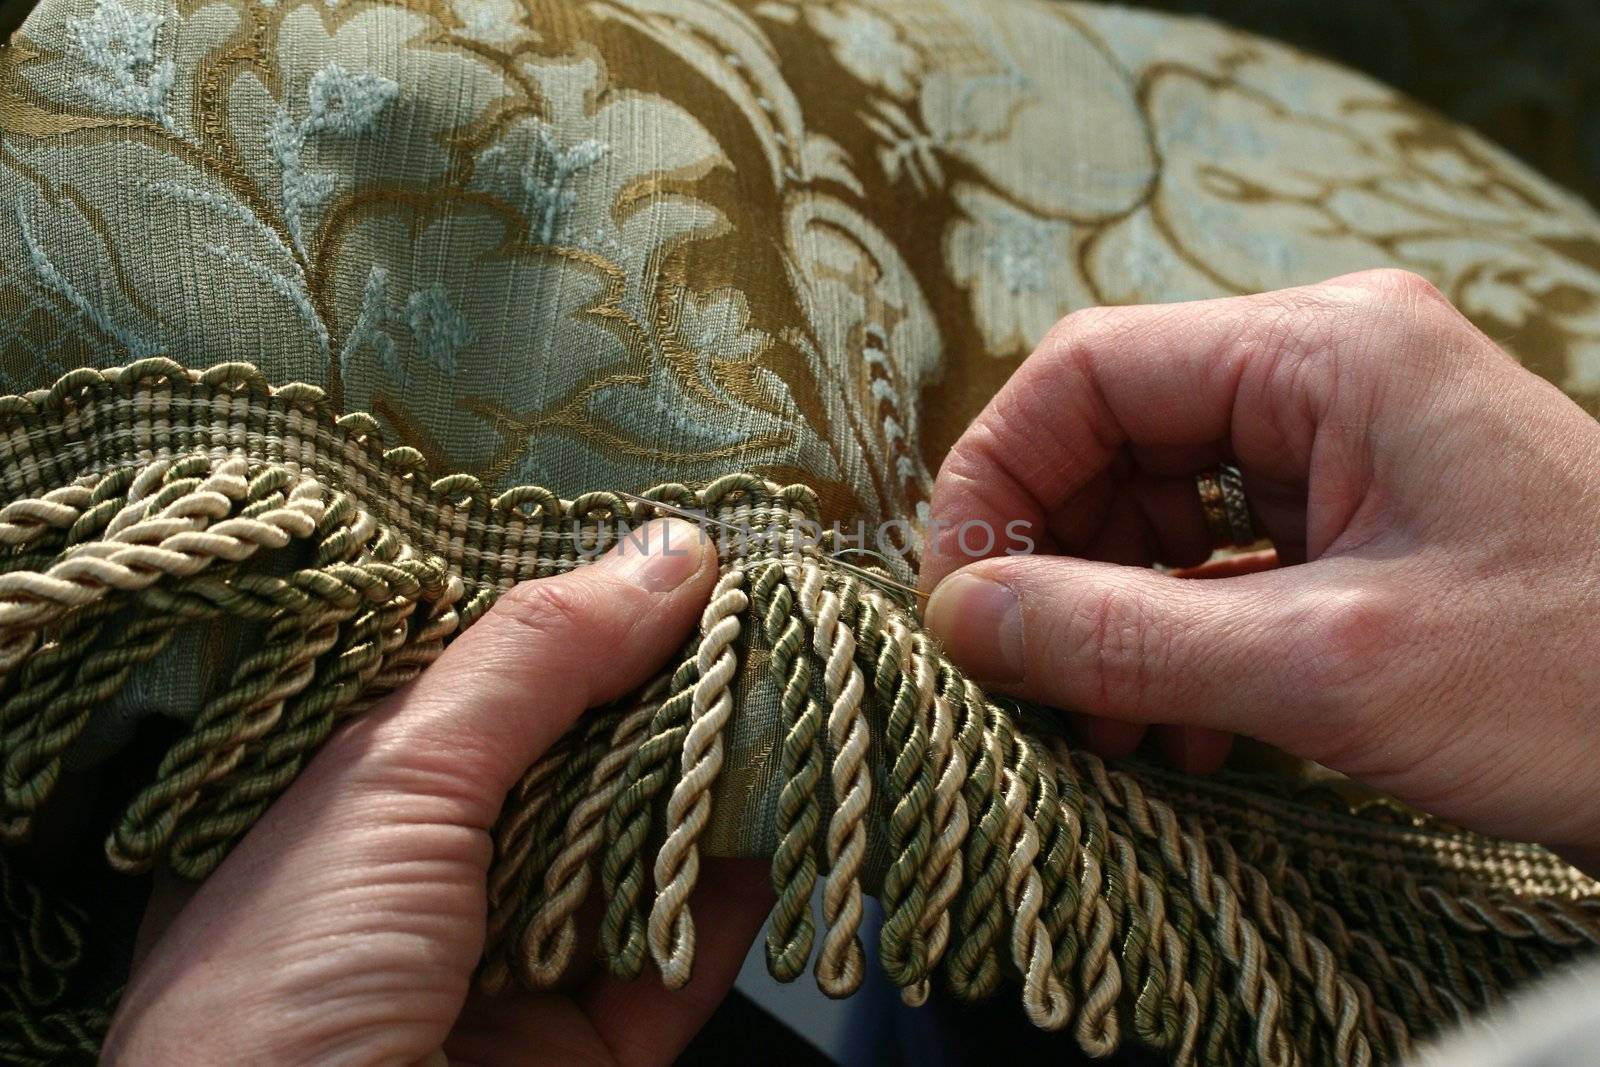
(549, 612)
(1408, 304)
(1079, 330)
(1344, 646)
(1113, 639)
(1387, 284)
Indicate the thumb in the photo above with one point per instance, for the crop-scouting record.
(1234, 654)
(549, 649)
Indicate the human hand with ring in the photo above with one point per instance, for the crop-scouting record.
(1434, 505)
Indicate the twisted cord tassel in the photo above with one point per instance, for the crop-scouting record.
(941, 877)
(974, 969)
(1032, 950)
(790, 930)
(509, 921)
(249, 707)
(49, 670)
(350, 672)
(182, 539)
(841, 963)
(671, 928)
(1154, 1017)
(42, 938)
(622, 935)
(902, 944)
(1236, 936)
(1059, 830)
(547, 944)
(1098, 1030)
(510, 874)
(1030, 886)
(46, 715)
(32, 760)
(1306, 955)
(34, 749)
(1174, 913)
(1229, 935)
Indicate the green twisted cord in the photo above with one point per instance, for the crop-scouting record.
(44, 941)
(1215, 911)
(344, 673)
(1199, 974)
(49, 670)
(252, 703)
(1403, 941)
(32, 753)
(547, 831)
(791, 931)
(973, 969)
(1058, 851)
(32, 743)
(1154, 1021)
(651, 770)
(903, 947)
(33, 763)
(55, 1038)
(254, 696)
(1058, 845)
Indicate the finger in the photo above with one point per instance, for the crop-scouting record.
(1109, 738)
(1233, 654)
(168, 895)
(1194, 749)
(1255, 375)
(549, 649)
(631, 1023)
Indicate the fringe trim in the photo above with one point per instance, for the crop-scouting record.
(1218, 923)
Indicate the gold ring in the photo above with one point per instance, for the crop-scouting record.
(1226, 510)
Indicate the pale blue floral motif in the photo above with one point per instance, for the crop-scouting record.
(491, 21)
(440, 330)
(1019, 249)
(369, 329)
(543, 182)
(1019, 268)
(129, 76)
(868, 46)
(346, 103)
(54, 280)
(718, 325)
(342, 103)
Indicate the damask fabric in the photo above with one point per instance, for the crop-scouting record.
(1520, 74)
(606, 245)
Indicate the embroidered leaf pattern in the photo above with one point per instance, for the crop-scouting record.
(128, 75)
(440, 330)
(338, 102)
(544, 180)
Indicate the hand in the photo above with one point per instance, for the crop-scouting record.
(345, 927)
(1436, 505)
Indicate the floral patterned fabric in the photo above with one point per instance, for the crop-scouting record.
(1521, 74)
(612, 242)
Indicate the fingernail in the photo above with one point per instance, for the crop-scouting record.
(980, 622)
(658, 556)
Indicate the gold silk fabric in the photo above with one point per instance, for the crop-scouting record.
(588, 243)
